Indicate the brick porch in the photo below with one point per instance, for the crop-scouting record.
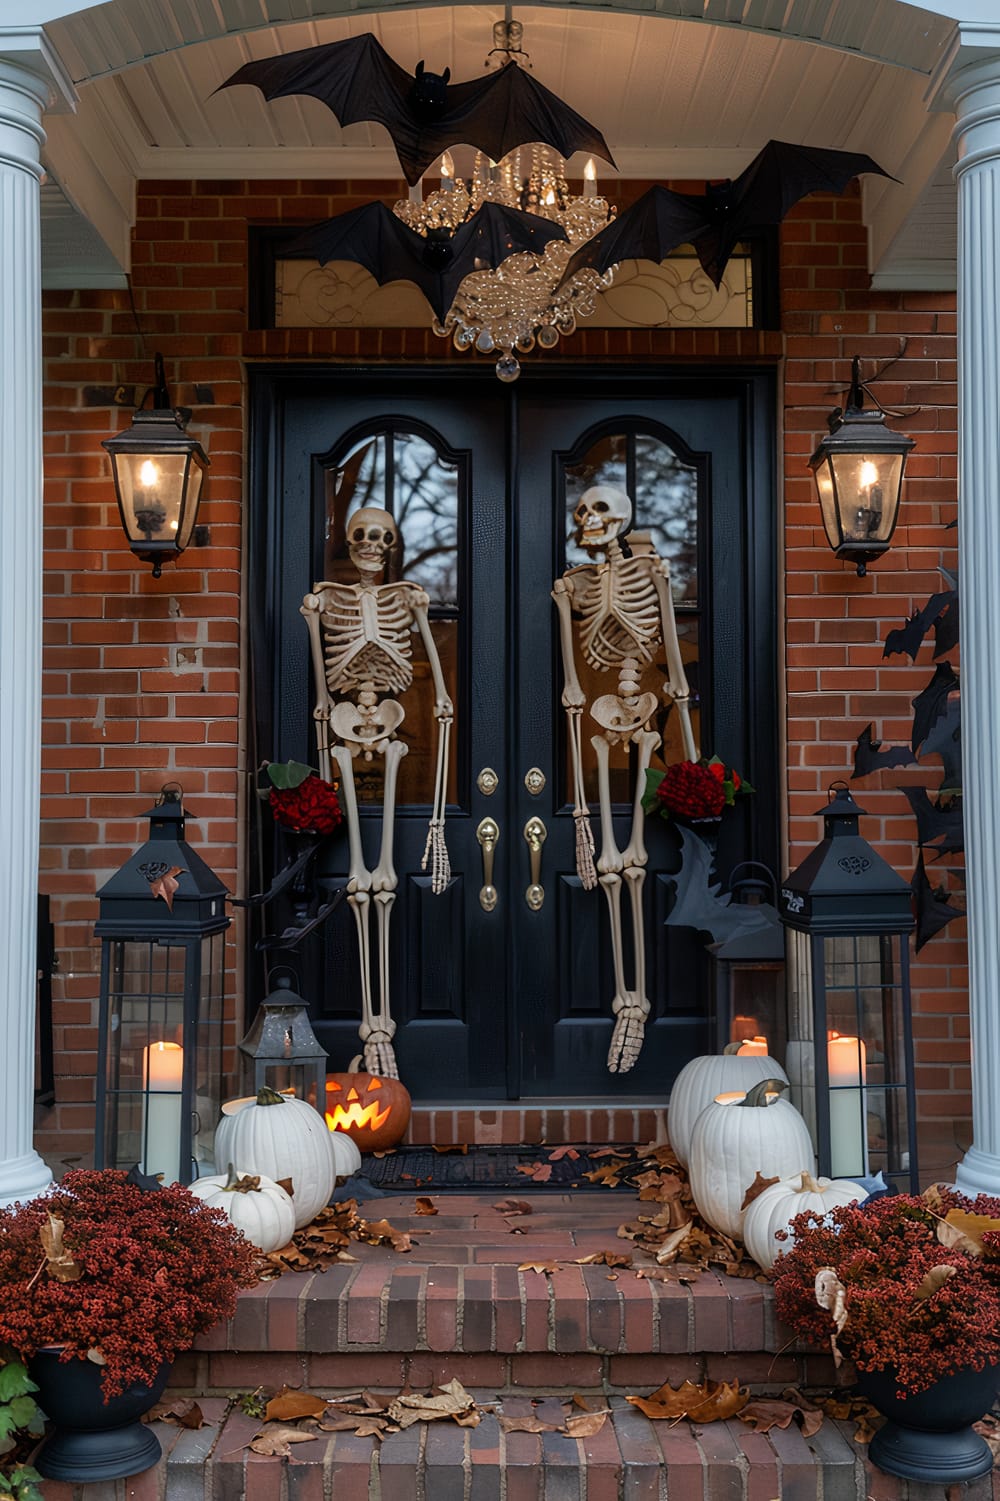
(457, 1306)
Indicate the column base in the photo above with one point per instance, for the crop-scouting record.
(978, 1173)
(23, 1178)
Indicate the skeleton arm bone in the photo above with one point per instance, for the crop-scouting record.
(573, 701)
(436, 851)
(311, 607)
(676, 687)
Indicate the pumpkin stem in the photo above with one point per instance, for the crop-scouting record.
(232, 1177)
(809, 1184)
(731, 1049)
(758, 1094)
(240, 1183)
(268, 1096)
(354, 1067)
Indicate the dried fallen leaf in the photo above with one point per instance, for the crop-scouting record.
(832, 1295)
(425, 1206)
(704, 1403)
(276, 1439)
(558, 1153)
(610, 1152)
(288, 1405)
(671, 1247)
(373, 1427)
(585, 1424)
(604, 1258)
(765, 1413)
(59, 1264)
(932, 1280)
(453, 1402)
(756, 1188)
(510, 1207)
(965, 1232)
(539, 1266)
(184, 1411)
(529, 1424)
(166, 885)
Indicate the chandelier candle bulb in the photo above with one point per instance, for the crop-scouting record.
(163, 1073)
(846, 1072)
(416, 194)
(447, 172)
(590, 178)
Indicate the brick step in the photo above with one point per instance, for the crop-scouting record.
(630, 1459)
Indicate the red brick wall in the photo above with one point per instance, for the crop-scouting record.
(142, 677)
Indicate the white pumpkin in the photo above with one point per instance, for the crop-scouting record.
(258, 1207)
(701, 1080)
(280, 1137)
(736, 1137)
(346, 1153)
(774, 1209)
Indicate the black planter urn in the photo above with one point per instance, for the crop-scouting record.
(930, 1436)
(92, 1440)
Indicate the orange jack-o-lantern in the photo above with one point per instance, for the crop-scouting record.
(372, 1111)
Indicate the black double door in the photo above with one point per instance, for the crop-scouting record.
(511, 997)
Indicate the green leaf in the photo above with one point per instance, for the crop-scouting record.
(14, 1381)
(21, 1410)
(288, 774)
(650, 801)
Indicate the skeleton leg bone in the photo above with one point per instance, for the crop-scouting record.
(379, 1055)
(359, 881)
(630, 1009)
(435, 850)
(581, 813)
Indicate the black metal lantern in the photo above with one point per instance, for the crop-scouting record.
(158, 470)
(858, 469)
(749, 969)
(162, 927)
(858, 914)
(281, 1050)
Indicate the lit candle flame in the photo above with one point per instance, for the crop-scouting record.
(148, 474)
(447, 164)
(869, 474)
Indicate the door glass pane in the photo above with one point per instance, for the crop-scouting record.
(665, 506)
(404, 474)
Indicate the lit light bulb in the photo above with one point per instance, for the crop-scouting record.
(447, 172)
(549, 198)
(148, 474)
(869, 474)
(590, 178)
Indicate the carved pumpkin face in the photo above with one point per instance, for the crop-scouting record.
(374, 1112)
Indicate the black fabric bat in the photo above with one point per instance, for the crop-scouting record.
(715, 221)
(933, 907)
(945, 740)
(425, 114)
(374, 238)
(909, 637)
(699, 904)
(929, 705)
(869, 755)
(936, 821)
(946, 629)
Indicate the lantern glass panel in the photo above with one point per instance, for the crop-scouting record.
(151, 487)
(828, 503)
(208, 1045)
(867, 487)
(757, 1004)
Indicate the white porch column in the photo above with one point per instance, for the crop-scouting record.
(970, 85)
(28, 73)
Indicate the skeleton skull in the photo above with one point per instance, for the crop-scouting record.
(371, 534)
(602, 513)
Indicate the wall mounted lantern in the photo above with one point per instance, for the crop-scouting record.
(858, 915)
(858, 469)
(281, 1050)
(158, 470)
(162, 927)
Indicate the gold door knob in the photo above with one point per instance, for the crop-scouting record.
(535, 834)
(488, 834)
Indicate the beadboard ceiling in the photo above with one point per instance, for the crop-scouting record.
(690, 89)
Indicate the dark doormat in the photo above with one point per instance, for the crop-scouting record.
(488, 1169)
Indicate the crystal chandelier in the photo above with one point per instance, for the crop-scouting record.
(516, 305)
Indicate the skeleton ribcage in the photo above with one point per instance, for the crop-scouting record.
(366, 637)
(619, 612)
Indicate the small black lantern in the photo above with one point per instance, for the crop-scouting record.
(162, 927)
(749, 969)
(281, 1050)
(158, 470)
(858, 469)
(858, 915)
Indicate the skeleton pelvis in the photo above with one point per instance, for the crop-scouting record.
(621, 719)
(367, 726)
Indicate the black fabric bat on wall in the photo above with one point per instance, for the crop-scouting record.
(932, 702)
(425, 114)
(715, 221)
(374, 238)
(869, 755)
(936, 821)
(933, 908)
(700, 902)
(909, 637)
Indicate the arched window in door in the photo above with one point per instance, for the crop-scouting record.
(423, 486)
(667, 487)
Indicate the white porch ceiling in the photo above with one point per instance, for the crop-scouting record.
(674, 96)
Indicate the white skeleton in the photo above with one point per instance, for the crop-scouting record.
(360, 636)
(621, 610)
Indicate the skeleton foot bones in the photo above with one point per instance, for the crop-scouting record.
(618, 612)
(360, 640)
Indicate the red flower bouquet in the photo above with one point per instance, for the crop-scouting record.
(301, 800)
(902, 1284)
(691, 790)
(124, 1276)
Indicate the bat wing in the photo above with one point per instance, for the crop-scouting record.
(655, 225)
(936, 822)
(945, 740)
(909, 637)
(507, 109)
(699, 904)
(373, 237)
(933, 909)
(356, 80)
(929, 705)
(869, 755)
(775, 180)
(946, 627)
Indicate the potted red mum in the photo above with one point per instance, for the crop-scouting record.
(105, 1280)
(909, 1288)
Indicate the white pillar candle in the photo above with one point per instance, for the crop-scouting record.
(846, 1068)
(162, 1073)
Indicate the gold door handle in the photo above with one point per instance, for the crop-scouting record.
(488, 834)
(535, 834)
